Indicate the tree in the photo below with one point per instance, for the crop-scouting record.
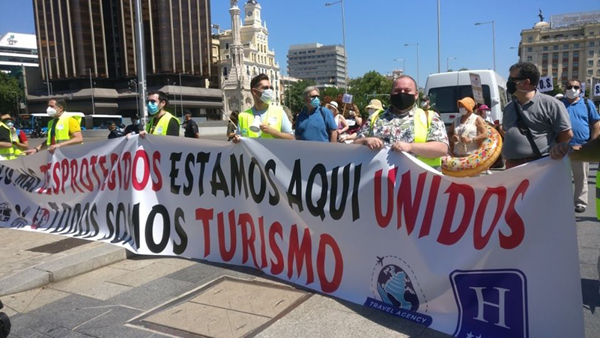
(331, 94)
(370, 86)
(294, 93)
(10, 92)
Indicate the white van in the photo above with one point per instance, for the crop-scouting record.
(445, 89)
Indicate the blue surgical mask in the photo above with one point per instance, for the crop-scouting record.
(152, 108)
(10, 124)
(315, 102)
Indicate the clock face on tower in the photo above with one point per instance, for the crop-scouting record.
(250, 13)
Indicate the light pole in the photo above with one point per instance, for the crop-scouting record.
(418, 69)
(439, 37)
(140, 55)
(48, 84)
(341, 2)
(180, 97)
(493, 37)
(448, 62)
(137, 102)
(92, 89)
(403, 65)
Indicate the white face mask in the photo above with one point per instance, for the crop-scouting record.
(51, 112)
(372, 111)
(572, 93)
(424, 104)
(267, 96)
(463, 111)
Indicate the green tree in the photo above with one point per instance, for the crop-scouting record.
(10, 93)
(370, 86)
(331, 94)
(294, 93)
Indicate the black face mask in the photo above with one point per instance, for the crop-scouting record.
(403, 101)
(511, 87)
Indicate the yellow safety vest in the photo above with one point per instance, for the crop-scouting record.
(62, 132)
(274, 116)
(15, 138)
(7, 153)
(422, 123)
(162, 126)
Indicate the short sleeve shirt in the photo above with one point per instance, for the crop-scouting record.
(545, 116)
(316, 125)
(74, 127)
(391, 128)
(581, 120)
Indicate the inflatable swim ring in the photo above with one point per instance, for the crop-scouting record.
(480, 161)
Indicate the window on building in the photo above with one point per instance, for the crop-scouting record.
(590, 63)
(575, 64)
(225, 71)
(565, 65)
(555, 47)
(529, 49)
(575, 54)
(529, 59)
(591, 53)
(591, 43)
(226, 46)
(555, 74)
(545, 48)
(590, 72)
(544, 56)
(575, 45)
(566, 46)
(555, 56)
(530, 39)
(597, 72)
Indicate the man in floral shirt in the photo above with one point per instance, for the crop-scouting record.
(405, 127)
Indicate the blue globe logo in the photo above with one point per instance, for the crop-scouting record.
(395, 288)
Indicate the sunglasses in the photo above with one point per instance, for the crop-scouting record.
(515, 79)
(573, 87)
(314, 96)
(152, 101)
(266, 87)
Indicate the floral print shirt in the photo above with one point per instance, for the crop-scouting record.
(391, 128)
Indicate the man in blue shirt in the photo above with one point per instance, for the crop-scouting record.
(315, 123)
(585, 124)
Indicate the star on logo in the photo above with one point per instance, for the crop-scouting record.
(470, 335)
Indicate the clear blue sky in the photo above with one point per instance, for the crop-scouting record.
(376, 30)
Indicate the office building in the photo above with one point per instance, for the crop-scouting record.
(325, 65)
(567, 47)
(87, 51)
(17, 51)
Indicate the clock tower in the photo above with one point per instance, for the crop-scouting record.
(252, 14)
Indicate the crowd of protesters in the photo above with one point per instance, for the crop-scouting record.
(534, 125)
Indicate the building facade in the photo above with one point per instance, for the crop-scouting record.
(566, 48)
(17, 51)
(87, 49)
(325, 65)
(244, 53)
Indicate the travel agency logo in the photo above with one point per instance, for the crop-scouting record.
(396, 290)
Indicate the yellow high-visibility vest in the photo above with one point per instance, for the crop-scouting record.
(62, 132)
(274, 117)
(162, 126)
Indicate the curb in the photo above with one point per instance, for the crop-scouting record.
(62, 268)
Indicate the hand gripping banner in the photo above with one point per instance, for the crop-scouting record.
(492, 256)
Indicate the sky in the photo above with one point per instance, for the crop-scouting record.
(376, 30)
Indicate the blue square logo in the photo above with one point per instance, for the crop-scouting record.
(491, 303)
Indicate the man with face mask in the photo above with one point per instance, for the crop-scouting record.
(405, 127)
(586, 126)
(63, 130)
(161, 121)
(533, 122)
(16, 137)
(135, 127)
(263, 120)
(315, 123)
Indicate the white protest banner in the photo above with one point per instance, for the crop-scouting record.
(596, 89)
(477, 88)
(546, 84)
(490, 256)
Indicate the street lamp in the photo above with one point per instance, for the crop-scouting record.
(439, 37)
(418, 68)
(493, 37)
(180, 97)
(92, 89)
(448, 62)
(403, 64)
(341, 2)
(133, 83)
(48, 84)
